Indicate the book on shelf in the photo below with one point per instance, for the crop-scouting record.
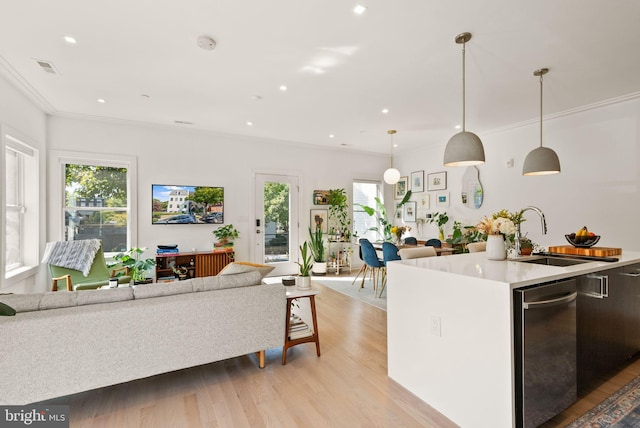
(300, 334)
(167, 251)
(166, 279)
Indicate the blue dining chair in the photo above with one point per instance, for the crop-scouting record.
(363, 269)
(389, 253)
(410, 240)
(433, 243)
(370, 258)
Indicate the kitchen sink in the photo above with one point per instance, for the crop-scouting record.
(552, 261)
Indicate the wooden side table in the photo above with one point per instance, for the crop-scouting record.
(292, 294)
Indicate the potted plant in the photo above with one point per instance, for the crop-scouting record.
(526, 246)
(225, 235)
(339, 212)
(138, 267)
(181, 271)
(383, 227)
(303, 281)
(316, 245)
(440, 219)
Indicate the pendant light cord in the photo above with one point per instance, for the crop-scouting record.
(540, 110)
(464, 109)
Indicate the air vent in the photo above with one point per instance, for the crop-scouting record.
(183, 122)
(47, 66)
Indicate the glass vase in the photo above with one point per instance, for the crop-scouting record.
(496, 248)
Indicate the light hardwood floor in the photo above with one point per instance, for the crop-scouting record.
(346, 387)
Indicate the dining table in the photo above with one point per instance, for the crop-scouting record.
(441, 251)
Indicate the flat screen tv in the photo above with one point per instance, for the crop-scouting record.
(172, 204)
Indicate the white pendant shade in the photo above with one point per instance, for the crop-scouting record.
(391, 176)
(464, 149)
(541, 161)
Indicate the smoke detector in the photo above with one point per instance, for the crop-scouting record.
(206, 43)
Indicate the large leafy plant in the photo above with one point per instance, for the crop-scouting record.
(383, 227)
(137, 265)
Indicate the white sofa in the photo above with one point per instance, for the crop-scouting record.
(61, 343)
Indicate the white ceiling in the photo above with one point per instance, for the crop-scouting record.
(341, 69)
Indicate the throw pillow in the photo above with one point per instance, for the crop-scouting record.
(234, 268)
(6, 310)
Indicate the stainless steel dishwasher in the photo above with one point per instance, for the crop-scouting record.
(545, 351)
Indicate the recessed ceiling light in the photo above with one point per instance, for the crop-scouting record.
(206, 43)
(457, 126)
(249, 123)
(283, 88)
(395, 145)
(385, 110)
(359, 9)
(256, 97)
(332, 136)
(70, 40)
(101, 101)
(145, 95)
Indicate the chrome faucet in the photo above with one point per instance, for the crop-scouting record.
(543, 223)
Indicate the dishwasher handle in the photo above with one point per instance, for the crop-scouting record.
(567, 298)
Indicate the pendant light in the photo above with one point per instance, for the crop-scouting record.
(391, 175)
(543, 160)
(464, 148)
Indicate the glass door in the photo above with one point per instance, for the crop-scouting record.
(276, 222)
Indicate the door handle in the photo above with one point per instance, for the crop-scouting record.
(551, 302)
(604, 286)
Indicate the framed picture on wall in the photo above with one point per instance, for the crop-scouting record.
(442, 199)
(437, 181)
(417, 181)
(319, 220)
(409, 212)
(401, 187)
(320, 197)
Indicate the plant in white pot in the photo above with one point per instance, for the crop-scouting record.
(303, 281)
(316, 245)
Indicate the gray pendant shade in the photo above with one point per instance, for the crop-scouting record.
(464, 149)
(541, 161)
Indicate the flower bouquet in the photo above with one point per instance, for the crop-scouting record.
(398, 231)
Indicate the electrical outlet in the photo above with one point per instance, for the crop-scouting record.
(436, 326)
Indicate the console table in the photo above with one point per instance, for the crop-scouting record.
(198, 264)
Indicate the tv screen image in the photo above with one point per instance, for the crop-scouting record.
(172, 204)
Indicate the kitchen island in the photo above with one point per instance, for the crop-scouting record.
(451, 330)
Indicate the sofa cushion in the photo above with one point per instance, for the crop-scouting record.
(109, 295)
(240, 280)
(22, 302)
(58, 299)
(146, 291)
(234, 268)
(6, 310)
(206, 283)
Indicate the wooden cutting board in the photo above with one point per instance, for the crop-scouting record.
(593, 251)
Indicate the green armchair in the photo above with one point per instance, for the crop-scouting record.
(98, 275)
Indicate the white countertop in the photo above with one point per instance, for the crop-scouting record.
(516, 274)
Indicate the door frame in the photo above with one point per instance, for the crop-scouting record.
(289, 268)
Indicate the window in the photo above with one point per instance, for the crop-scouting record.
(21, 190)
(98, 199)
(364, 193)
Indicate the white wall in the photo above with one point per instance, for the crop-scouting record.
(599, 186)
(210, 160)
(19, 114)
